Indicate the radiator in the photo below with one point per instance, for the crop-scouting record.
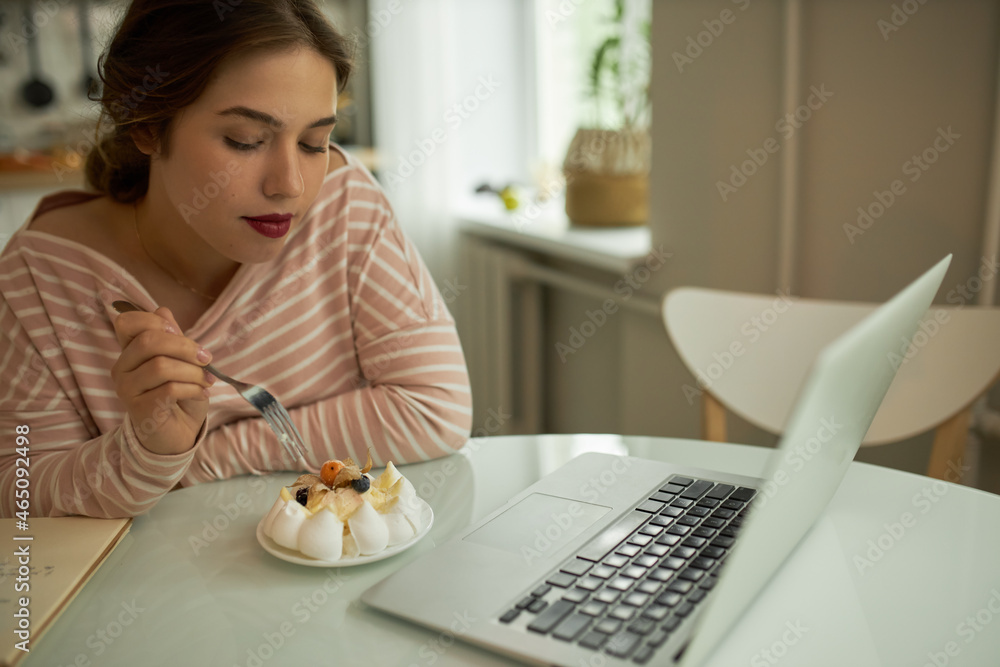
(502, 326)
(500, 323)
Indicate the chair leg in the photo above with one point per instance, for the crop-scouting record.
(949, 448)
(713, 419)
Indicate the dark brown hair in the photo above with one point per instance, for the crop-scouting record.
(162, 57)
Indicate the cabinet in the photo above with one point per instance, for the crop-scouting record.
(560, 328)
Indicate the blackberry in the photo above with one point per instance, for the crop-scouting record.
(302, 495)
(361, 485)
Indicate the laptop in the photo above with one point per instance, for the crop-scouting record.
(656, 564)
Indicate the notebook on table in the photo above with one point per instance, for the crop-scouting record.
(45, 564)
(660, 565)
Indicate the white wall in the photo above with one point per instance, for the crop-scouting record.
(889, 97)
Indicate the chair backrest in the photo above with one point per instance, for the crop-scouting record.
(752, 352)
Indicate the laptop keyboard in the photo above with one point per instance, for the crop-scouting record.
(629, 588)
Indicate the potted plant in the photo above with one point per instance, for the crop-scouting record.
(607, 164)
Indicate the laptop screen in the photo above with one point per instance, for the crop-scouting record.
(835, 408)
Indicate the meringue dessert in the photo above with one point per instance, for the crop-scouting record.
(344, 512)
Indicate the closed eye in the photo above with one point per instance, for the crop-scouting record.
(240, 146)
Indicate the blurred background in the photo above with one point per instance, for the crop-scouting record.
(763, 137)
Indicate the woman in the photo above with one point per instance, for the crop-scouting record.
(220, 206)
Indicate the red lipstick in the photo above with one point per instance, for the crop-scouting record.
(272, 225)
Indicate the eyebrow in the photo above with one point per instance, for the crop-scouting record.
(268, 119)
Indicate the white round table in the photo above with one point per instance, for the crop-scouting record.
(900, 570)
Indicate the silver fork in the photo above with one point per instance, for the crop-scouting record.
(269, 407)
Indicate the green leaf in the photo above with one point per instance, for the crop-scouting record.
(611, 80)
(598, 64)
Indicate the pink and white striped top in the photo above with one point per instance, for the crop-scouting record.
(346, 327)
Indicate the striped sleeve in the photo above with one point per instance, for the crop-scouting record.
(66, 466)
(417, 399)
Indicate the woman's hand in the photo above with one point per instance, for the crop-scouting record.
(160, 377)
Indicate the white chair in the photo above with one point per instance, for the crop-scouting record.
(750, 354)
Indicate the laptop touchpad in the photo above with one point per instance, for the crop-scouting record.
(538, 526)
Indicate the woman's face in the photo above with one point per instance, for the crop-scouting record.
(253, 144)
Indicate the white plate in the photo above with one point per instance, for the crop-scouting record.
(297, 557)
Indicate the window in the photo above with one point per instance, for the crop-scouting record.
(568, 34)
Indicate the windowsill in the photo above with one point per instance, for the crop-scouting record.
(550, 232)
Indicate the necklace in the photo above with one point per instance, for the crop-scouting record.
(135, 222)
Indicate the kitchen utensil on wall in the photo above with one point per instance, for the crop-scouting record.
(35, 91)
(90, 84)
(3, 19)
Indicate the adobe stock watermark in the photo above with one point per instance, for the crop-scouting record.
(434, 480)
(221, 179)
(893, 533)
(562, 13)
(779, 648)
(302, 610)
(243, 326)
(900, 14)
(697, 44)
(965, 292)
(595, 488)
(786, 126)
(968, 629)
(914, 168)
(110, 467)
(432, 650)
(586, 157)
(583, 159)
(626, 287)
(87, 310)
(797, 457)
(381, 19)
(929, 327)
(228, 513)
(565, 524)
(305, 607)
(373, 366)
(223, 7)
(127, 103)
(123, 108)
(200, 198)
(454, 117)
(103, 637)
(41, 13)
(548, 192)
(451, 289)
(751, 330)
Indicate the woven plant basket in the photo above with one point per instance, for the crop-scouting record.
(607, 178)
